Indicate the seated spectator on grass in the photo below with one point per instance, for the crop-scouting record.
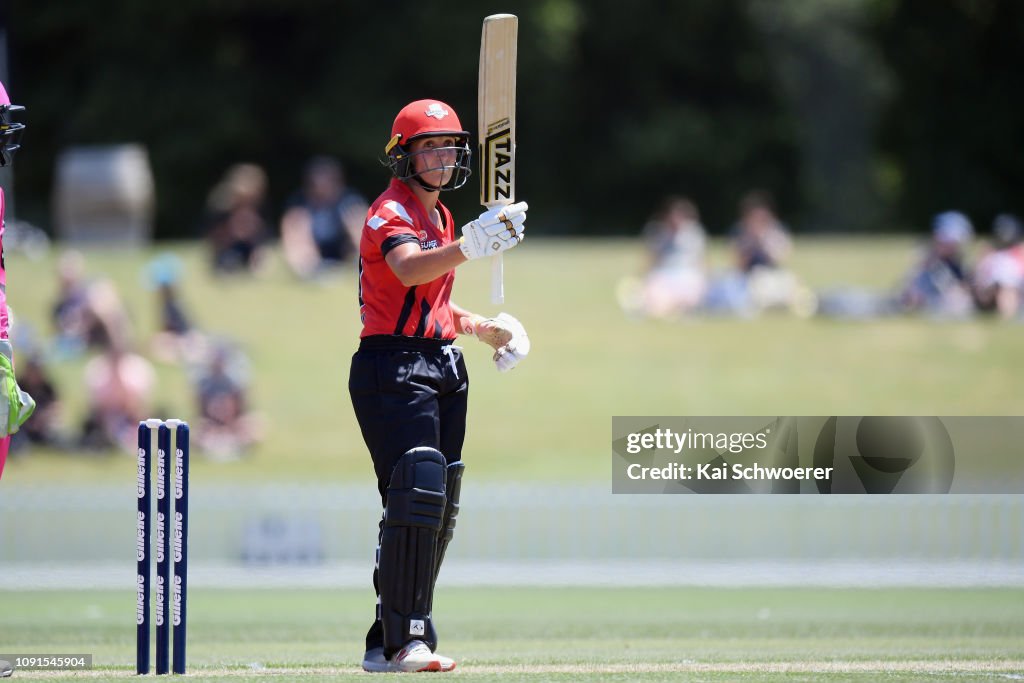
(676, 245)
(227, 427)
(761, 240)
(86, 314)
(939, 284)
(999, 277)
(176, 339)
(321, 225)
(236, 228)
(119, 387)
(43, 427)
(70, 312)
(760, 281)
(107, 316)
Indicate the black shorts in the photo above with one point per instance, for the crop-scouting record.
(408, 392)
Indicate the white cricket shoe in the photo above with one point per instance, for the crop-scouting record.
(415, 656)
(375, 662)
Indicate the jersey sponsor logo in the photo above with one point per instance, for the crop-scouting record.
(426, 243)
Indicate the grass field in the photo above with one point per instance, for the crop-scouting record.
(670, 634)
(550, 418)
(550, 421)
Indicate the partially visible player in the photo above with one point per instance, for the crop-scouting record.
(408, 382)
(15, 405)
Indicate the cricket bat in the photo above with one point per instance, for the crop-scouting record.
(496, 121)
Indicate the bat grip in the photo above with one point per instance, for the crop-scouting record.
(497, 279)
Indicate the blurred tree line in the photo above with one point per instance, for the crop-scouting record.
(858, 115)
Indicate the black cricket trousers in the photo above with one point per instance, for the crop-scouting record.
(408, 392)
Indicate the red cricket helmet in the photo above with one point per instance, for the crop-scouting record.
(426, 117)
(423, 118)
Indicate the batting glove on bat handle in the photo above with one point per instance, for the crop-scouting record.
(496, 230)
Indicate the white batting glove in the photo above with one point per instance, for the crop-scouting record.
(504, 334)
(495, 231)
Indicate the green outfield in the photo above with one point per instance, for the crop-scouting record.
(649, 634)
(550, 418)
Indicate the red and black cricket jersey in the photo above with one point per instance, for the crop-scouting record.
(386, 306)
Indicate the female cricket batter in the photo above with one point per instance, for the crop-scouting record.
(408, 381)
(15, 405)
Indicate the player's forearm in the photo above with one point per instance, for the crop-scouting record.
(413, 266)
(461, 314)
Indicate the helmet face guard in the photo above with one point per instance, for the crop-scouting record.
(400, 161)
(10, 133)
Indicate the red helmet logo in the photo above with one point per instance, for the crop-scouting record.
(426, 117)
(437, 110)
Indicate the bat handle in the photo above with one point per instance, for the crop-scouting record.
(497, 279)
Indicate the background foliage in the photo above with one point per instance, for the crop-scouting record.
(856, 114)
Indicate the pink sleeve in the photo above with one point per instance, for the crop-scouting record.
(4, 316)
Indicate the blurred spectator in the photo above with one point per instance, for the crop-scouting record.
(70, 312)
(119, 386)
(86, 314)
(236, 228)
(676, 244)
(761, 240)
(107, 319)
(176, 339)
(321, 225)
(761, 244)
(227, 428)
(43, 427)
(999, 277)
(939, 282)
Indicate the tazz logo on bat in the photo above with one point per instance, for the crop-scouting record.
(496, 162)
